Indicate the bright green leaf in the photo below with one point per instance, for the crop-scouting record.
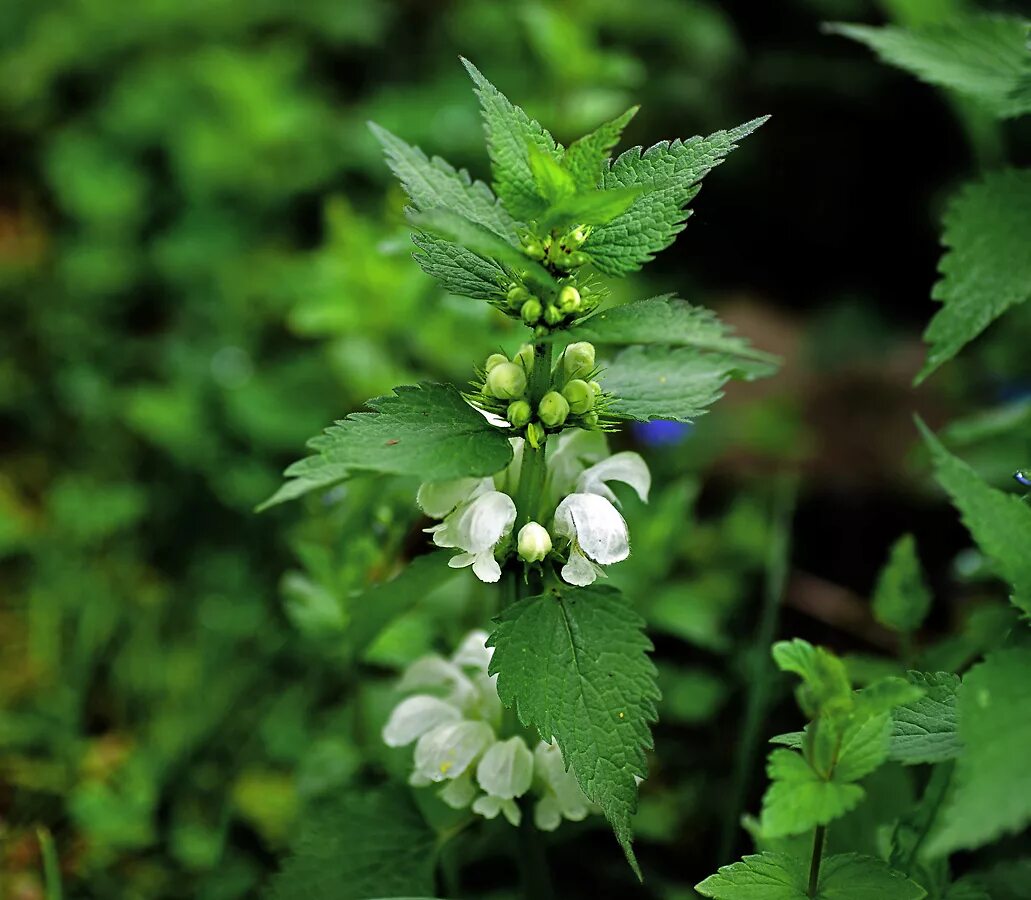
(371, 843)
(825, 685)
(458, 270)
(586, 157)
(986, 269)
(925, 731)
(670, 172)
(575, 665)
(798, 798)
(849, 876)
(427, 431)
(592, 208)
(863, 748)
(982, 57)
(553, 182)
(901, 598)
(999, 522)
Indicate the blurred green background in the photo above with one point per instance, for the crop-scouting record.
(203, 262)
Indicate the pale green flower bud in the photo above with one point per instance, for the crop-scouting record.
(569, 299)
(577, 236)
(517, 296)
(579, 395)
(552, 315)
(578, 359)
(535, 434)
(494, 360)
(591, 419)
(596, 388)
(519, 413)
(534, 249)
(531, 311)
(507, 381)
(525, 357)
(577, 258)
(553, 409)
(534, 542)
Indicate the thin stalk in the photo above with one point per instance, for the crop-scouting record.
(819, 839)
(934, 797)
(532, 472)
(777, 560)
(51, 865)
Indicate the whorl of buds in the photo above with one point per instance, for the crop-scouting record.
(506, 381)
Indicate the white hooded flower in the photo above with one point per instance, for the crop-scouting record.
(438, 498)
(561, 795)
(413, 717)
(506, 769)
(597, 536)
(477, 528)
(489, 807)
(447, 751)
(627, 467)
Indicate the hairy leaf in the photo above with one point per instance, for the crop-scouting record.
(553, 182)
(799, 798)
(864, 747)
(778, 876)
(999, 522)
(434, 182)
(458, 270)
(427, 431)
(462, 231)
(825, 685)
(585, 158)
(986, 269)
(901, 598)
(982, 57)
(670, 172)
(371, 843)
(509, 132)
(992, 793)
(925, 731)
(575, 665)
(591, 208)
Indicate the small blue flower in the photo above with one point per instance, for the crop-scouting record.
(660, 433)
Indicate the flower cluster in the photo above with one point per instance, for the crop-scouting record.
(454, 718)
(587, 530)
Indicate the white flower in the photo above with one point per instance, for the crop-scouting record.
(477, 528)
(447, 751)
(489, 807)
(626, 467)
(473, 651)
(413, 717)
(506, 769)
(438, 498)
(597, 536)
(561, 797)
(534, 542)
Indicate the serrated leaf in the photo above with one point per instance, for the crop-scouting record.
(825, 686)
(509, 132)
(673, 383)
(778, 876)
(427, 431)
(575, 665)
(992, 794)
(592, 208)
(669, 321)
(982, 57)
(799, 798)
(999, 522)
(925, 731)
(901, 599)
(364, 844)
(863, 748)
(986, 268)
(458, 270)
(443, 223)
(434, 182)
(585, 158)
(553, 182)
(670, 172)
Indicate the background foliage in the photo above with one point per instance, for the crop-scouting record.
(203, 260)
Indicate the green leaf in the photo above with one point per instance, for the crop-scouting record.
(458, 270)
(364, 844)
(999, 522)
(986, 268)
(670, 172)
(925, 731)
(864, 747)
(992, 781)
(901, 599)
(670, 321)
(575, 665)
(585, 158)
(674, 383)
(799, 798)
(553, 182)
(593, 208)
(427, 431)
(435, 183)
(825, 686)
(983, 57)
(777, 876)
(459, 230)
(509, 132)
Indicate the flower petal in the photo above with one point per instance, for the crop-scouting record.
(596, 526)
(573, 449)
(561, 783)
(438, 498)
(413, 717)
(579, 570)
(473, 651)
(506, 769)
(486, 568)
(478, 525)
(489, 807)
(447, 751)
(459, 792)
(627, 467)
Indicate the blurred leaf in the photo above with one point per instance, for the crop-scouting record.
(901, 598)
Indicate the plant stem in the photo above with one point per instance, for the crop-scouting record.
(819, 837)
(533, 471)
(934, 796)
(759, 682)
